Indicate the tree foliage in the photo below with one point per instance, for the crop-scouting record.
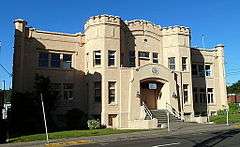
(234, 88)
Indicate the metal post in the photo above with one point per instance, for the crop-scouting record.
(227, 116)
(45, 122)
(168, 121)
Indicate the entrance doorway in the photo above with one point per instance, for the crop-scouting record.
(150, 90)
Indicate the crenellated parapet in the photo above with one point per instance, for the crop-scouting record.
(102, 19)
(143, 25)
(177, 29)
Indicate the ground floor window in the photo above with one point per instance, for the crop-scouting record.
(210, 95)
(67, 91)
(110, 119)
(111, 92)
(97, 91)
(185, 93)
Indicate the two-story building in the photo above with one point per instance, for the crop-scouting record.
(122, 71)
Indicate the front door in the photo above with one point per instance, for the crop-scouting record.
(149, 92)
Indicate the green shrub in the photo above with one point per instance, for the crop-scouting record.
(93, 124)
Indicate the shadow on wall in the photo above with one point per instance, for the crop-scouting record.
(74, 91)
(200, 101)
(127, 47)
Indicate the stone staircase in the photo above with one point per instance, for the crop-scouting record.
(161, 116)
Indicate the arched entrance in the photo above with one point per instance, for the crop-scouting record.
(150, 91)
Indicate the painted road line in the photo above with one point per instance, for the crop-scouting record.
(168, 144)
(67, 143)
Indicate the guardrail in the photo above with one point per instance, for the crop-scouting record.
(173, 111)
(147, 110)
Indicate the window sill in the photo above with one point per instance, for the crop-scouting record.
(112, 104)
(112, 67)
(211, 104)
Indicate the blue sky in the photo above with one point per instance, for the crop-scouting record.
(218, 20)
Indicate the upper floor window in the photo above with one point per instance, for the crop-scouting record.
(68, 91)
(201, 70)
(97, 91)
(202, 94)
(97, 58)
(67, 61)
(155, 57)
(132, 58)
(185, 93)
(195, 94)
(111, 92)
(208, 70)
(111, 58)
(171, 63)
(194, 69)
(43, 59)
(210, 95)
(184, 63)
(55, 60)
(143, 55)
(55, 88)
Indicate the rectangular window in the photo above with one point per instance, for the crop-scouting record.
(195, 95)
(210, 95)
(97, 90)
(111, 58)
(208, 70)
(132, 58)
(201, 70)
(97, 58)
(55, 88)
(68, 91)
(185, 93)
(111, 92)
(184, 63)
(202, 95)
(143, 55)
(194, 70)
(55, 60)
(155, 57)
(43, 59)
(171, 63)
(67, 61)
(110, 119)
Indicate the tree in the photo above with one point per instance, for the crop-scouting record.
(234, 88)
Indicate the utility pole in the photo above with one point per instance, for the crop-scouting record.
(44, 117)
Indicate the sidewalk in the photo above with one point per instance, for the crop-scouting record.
(179, 128)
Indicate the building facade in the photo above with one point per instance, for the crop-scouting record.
(119, 71)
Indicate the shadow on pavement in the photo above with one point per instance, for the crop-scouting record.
(217, 139)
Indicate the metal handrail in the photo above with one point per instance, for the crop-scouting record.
(174, 111)
(147, 110)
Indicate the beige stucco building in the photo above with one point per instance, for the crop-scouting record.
(123, 71)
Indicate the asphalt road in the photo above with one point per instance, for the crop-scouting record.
(227, 138)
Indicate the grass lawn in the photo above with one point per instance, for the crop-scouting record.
(68, 134)
(234, 115)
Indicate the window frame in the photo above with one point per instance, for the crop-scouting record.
(41, 59)
(171, 64)
(97, 98)
(143, 55)
(111, 58)
(110, 98)
(155, 59)
(68, 91)
(210, 96)
(97, 60)
(184, 65)
(186, 93)
(208, 72)
(54, 61)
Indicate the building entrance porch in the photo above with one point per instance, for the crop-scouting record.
(150, 91)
